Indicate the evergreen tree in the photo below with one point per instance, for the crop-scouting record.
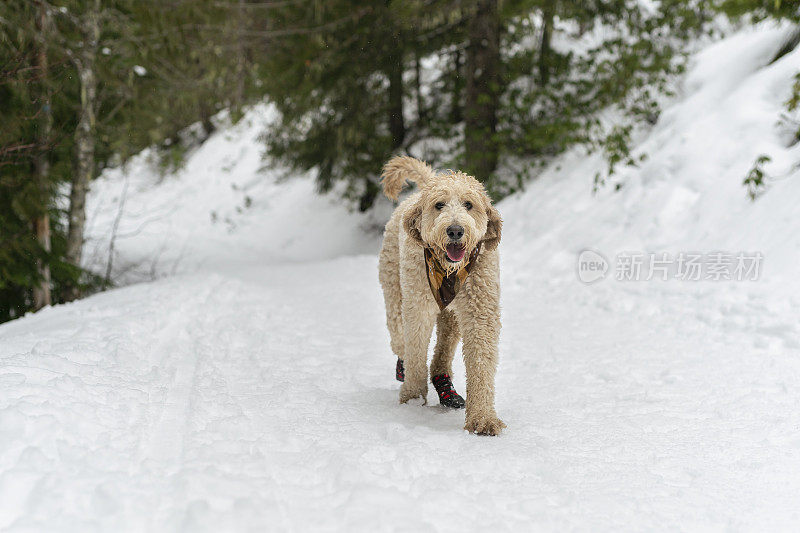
(502, 91)
(85, 85)
(30, 240)
(483, 90)
(341, 90)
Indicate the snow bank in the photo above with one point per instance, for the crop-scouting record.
(226, 202)
(688, 195)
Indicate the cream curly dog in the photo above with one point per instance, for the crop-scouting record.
(439, 265)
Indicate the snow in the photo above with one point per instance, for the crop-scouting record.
(246, 381)
(226, 204)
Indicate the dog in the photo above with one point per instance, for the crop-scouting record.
(439, 264)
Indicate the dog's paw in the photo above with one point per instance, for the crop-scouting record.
(409, 392)
(484, 425)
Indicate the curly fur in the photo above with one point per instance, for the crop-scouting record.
(411, 311)
(402, 168)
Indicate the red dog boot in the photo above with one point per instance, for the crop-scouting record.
(399, 371)
(447, 394)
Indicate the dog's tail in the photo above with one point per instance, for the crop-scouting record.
(401, 168)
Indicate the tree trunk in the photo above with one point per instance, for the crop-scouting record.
(483, 91)
(456, 109)
(84, 139)
(41, 224)
(394, 71)
(241, 61)
(422, 115)
(397, 125)
(548, 13)
(206, 113)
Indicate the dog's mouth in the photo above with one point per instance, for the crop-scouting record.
(455, 252)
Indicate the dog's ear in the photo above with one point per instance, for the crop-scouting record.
(494, 228)
(411, 222)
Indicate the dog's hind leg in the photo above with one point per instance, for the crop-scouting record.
(389, 275)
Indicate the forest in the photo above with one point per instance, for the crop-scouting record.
(483, 85)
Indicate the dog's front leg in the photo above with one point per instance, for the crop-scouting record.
(478, 314)
(419, 316)
(480, 359)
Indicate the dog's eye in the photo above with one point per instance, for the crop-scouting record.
(468, 205)
(439, 206)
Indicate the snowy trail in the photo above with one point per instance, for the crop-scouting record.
(253, 387)
(266, 398)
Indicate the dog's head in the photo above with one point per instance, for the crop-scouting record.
(452, 215)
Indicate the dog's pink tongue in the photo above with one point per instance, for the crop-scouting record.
(455, 252)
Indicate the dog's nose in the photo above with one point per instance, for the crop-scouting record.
(455, 232)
